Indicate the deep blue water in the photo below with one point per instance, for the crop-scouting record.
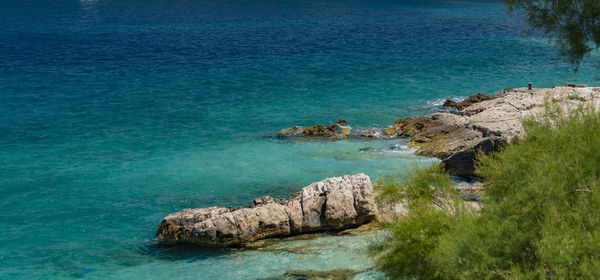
(116, 113)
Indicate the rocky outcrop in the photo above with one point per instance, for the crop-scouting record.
(485, 125)
(370, 134)
(475, 98)
(462, 162)
(332, 204)
(407, 127)
(336, 130)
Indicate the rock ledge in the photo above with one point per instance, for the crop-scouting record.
(484, 123)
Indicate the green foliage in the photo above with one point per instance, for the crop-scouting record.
(427, 195)
(543, 192)
(575, 23)
(540, 219)
(418, 186)
(575, 97)
(409, 253)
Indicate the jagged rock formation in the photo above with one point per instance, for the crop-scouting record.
(332, 204)
(475, 98)
(336, 130)
(407, 127)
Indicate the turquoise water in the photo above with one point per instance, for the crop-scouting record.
(116, 113)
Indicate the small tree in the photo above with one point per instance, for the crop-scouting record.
(575, 24)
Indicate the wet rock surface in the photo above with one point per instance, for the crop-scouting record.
(407, 127)
(334, 274)
(370, 134)
(332, 204)
(475, 98)
(336, 130)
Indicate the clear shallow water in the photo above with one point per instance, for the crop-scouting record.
(269, 262)
(115, 113)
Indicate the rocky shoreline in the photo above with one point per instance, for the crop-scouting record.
(481, 123)
(487, 123)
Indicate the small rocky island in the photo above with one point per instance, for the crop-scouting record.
(334, 131)
(332, 204)
(481, 124)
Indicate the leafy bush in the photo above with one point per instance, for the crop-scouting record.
(541, 216)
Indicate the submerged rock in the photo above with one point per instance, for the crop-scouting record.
(290, 132)
(332, 204)
(334, 274)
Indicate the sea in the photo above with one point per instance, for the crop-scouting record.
(115, 113)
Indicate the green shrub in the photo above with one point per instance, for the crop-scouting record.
(541, 218)
(410, 252)
(429, 196)
(415, 188)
